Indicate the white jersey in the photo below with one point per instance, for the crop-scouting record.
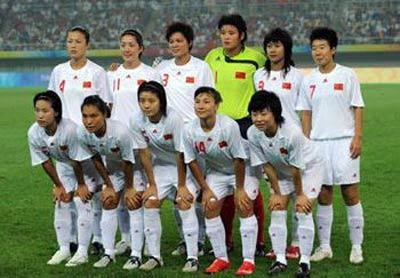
(63, 146)
(124, 84)
(73, 86)
(289, 147)
(181, 81)
(330, 97)
(286, 88)
(218, 147)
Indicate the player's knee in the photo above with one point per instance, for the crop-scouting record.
(325, 196)
(152, 203)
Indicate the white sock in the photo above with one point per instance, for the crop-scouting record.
(248, 232)
(306, 236)
(324, 222)
(216, 234)
(97, 212)
(178, 221)
(355, 219)
(85, 219)
(123, 222)
(62, 225)
(202, 223)
(295, 223)
(74, 223)
(152, 231)
(137, 231)
(190, 227)
(109, 225)
(278, 234)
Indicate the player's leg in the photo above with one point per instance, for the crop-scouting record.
(259, 212)
(123, 245)
(97, 243)
(228, 216)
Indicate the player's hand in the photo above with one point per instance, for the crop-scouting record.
(275, 202)
(132, 198)
(59, 194)
(242, 200)
(210, 201)
(82, 191)
(183, 197)
(109, 195)
(151, 191)
(355, 147)
(303, 203)
(113, 67)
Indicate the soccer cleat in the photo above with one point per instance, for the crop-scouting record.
(151, 264)
(180, 249)
(216, 266)
(191, 265)
(271, 255)
(292, 252)
(73, 247)
(246, 268)
(276, 268)
(121, 247)
(303, 271)
(59, 257)
(97, 249)
(321, 253)
(104, 261)
(76, 260)
(133, 263)
(356, 256)
(260, 250)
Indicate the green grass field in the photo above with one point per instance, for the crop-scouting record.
(27, 238)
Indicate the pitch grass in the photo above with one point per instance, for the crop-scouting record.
(27, 238)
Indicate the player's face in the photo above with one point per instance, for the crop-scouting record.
(150, 104)
(92, 118)
(322, 53)
(44, 113)
(178, 45)
(230, 37)
(76, 45)
(263, 120)
(275, 52)
(130, 49)
(205, 106)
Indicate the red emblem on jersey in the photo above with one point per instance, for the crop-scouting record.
(283, 151)
(167, 137)
(338, 86)
(287, 85)
(190, 79)
(140, 81)
(87, 84)
(223, 144)
(240, 75)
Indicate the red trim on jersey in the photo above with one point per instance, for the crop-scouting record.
(168, 136)
(240, 75)
(223, 144)
(283, 151)
(190, 79)
(140, 81)
(286, 85)
(338, 86)
(87, 84)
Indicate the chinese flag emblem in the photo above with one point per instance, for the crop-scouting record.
(223, 144)
(338, 86)
(168, 137)
(87, 84)
(190, 79)
(283, 151)
(287, 85)
(240, 75)
(140, 81)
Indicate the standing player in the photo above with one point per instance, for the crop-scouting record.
(332, 107)
(53, 137)
(124, 83)
(181, 76)
(280, 76)
(216, 138)
(73, 81)
(293, 166)
(233, 66)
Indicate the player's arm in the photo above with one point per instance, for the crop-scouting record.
(82, 190)
(306, 118)
(102, 170)
(302, 201)
(269, 170)
(127, 167)
(198, 174)
(59, 193)
(355, 147)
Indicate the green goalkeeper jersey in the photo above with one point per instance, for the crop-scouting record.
(234, 78)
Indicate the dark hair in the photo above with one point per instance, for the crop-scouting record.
(280, 35)
(95, 100)
(235, 20)
(324, 33)
(267, 100)
(55, 101)
(211, 91)
(157, 89)
(136, 34)
(179, 27)
(81, 30)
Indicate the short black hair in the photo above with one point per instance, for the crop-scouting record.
(136, 34)
(235, 20)
(157, 89)
(55, 101)
(95, 100)
(81, 30)
(267, 100)
(179, 27)
(324, 33)
(283, 36)
(211, 91)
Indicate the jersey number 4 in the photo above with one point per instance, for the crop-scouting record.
(200, 147)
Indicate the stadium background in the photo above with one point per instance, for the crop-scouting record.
(32, 42)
